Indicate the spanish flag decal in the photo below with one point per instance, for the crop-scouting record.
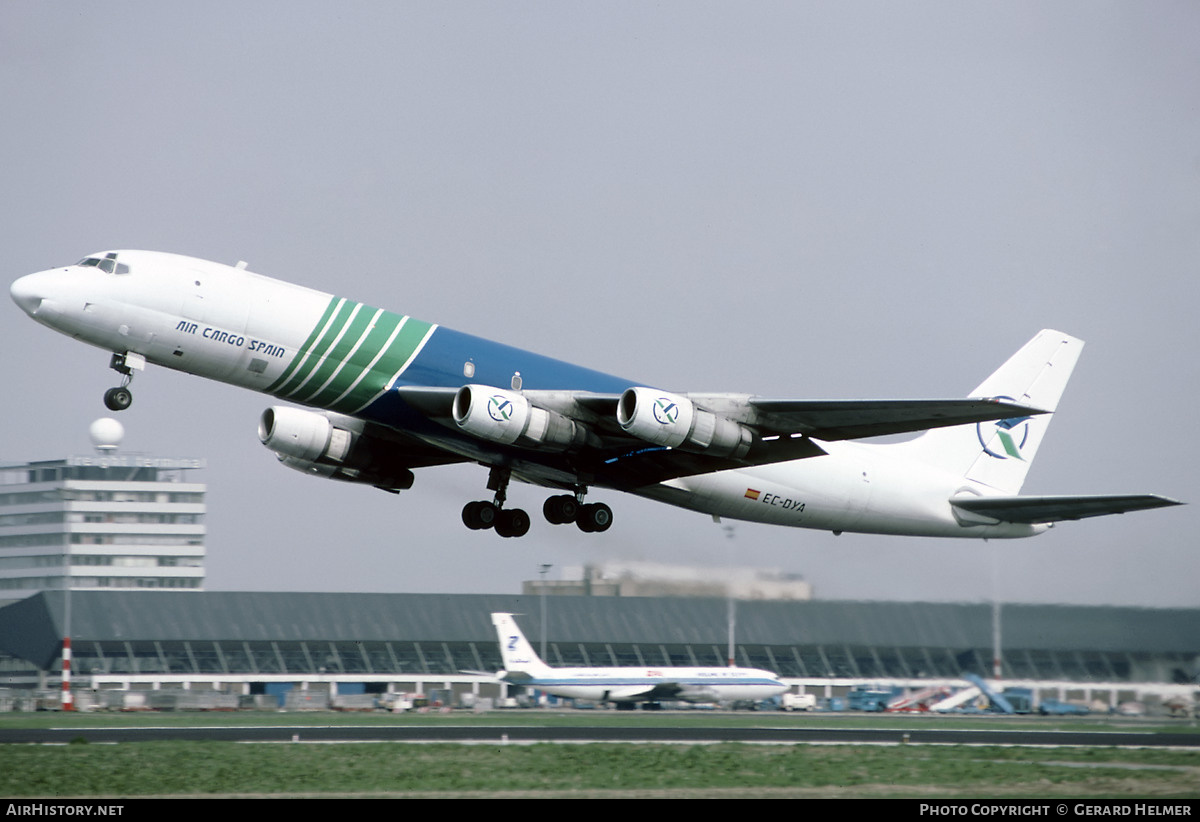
(751, 493)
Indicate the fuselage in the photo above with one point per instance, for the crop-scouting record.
(316, 349)
(684, 684)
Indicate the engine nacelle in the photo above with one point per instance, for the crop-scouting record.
(303, 435)
(509, 418)
(675, 422)
(309, 442)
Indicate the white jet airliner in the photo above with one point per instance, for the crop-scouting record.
(627, 686)
(387, 393)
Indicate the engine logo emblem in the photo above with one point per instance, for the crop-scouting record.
(666, 411)
(500, 408)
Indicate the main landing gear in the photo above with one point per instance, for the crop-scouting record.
(481, 515)
(120, 398)
(514, 522)
(508, 522)
(591, 518)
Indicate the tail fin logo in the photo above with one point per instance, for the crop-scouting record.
(1004, 439)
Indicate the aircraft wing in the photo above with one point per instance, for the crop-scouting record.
(489, 674)
(665, 690)
(623, 461)
(662, 691)
(821, 419)
(1032, 510)
(632, 692)
(778, 430)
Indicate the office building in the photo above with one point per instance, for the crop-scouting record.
(109, 521)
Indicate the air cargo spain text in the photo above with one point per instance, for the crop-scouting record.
(237, 340)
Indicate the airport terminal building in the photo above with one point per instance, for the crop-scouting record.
(324, 646)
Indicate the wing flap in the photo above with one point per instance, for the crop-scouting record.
(1043, 509)
(648, 465)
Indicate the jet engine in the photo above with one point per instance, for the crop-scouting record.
(303, 435)
(312, 444)
(676, 422)
(509, 418)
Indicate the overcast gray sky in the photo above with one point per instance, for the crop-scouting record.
(797, 199)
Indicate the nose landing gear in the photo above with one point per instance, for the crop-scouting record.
(120, 398)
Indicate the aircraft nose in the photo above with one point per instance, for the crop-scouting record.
(27, 293)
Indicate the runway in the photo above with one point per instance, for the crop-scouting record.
(650, 733)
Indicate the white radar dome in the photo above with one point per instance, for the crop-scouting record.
(106, 433)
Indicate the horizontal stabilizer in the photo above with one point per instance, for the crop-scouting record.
(1035, 510)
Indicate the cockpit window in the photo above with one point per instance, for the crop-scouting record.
(107, 263)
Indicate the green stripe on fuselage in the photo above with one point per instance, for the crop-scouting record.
(409, 339)
(357, 354)
(302, 353)
(319, 349)
(311, 357)
(333, 359)
(376, 337)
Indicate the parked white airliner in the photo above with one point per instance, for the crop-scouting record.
(386, 393)
(626, 686)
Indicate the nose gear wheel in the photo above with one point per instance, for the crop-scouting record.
(119, 398)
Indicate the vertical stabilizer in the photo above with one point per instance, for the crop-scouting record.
(998, 454)
(517, 653)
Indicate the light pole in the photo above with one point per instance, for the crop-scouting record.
(68, 699)
(730, 605)
(997, 653)
(545, 566)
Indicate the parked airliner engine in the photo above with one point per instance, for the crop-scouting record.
(676, 422)
(313, 444)
(509, 418)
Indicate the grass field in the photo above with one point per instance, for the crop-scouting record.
(179, 769)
